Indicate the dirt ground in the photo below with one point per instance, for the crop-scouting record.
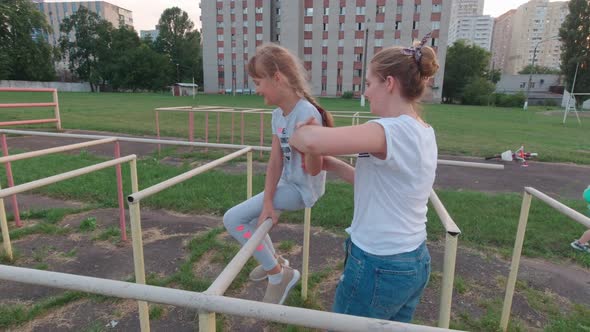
(166, 235)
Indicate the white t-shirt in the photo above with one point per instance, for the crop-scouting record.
(310, 187)
(391, 195)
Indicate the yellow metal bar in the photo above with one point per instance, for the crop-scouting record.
(5, 231)
(249, 175)
(446, 297)
(305, 267)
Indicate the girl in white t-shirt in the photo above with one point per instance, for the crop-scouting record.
(388, 264)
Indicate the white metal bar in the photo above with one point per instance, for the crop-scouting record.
(446, 296)
(57, 149)
(197, 110)
(469, 164)
(511, 282)
(249, 173)
(231, 306)
(5, 231)
(443, 214)
(227, 276)
(63, 176)
(306, 240)
(136, 197)
(133, 139)
(564, 209)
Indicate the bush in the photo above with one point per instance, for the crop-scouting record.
(477, 92)
(508, 100)
(347, 95)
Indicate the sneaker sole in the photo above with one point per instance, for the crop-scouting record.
(266, 276)
(293, 282)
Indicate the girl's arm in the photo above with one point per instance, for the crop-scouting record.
(313, 163)
(274, 169)
(368, 137)
(340, 168)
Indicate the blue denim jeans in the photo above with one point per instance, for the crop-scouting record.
(384, 287)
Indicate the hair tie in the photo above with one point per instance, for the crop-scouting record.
(416, 51)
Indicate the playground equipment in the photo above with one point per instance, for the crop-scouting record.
(212, 300)
(54, 104)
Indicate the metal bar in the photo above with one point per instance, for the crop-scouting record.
(261, 132)
(57, 149)
(446, 296)
(26, 122)
(10, 181)
(191, 127)
(138, 263)
(226, 305)
(232, 127)
(56, 110)
(120, 198)
(227, 276)
(218, 126)
(306, 240)
(138, 196)
(206, 129)
(469, 164)
(158, 129)
(27, 89)
(443, 214)
(27, 105)
(63, 176)
(242, 130)
(564, 209)
(133, 139)
(249, 175)
(5, 231)
(511, 282)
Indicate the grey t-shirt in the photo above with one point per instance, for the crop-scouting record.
(310, 187)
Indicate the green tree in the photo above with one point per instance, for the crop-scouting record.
(84, 37)
(478, 91)
(463, 63)
(539, 70)
(181, 44)
(575, 47)
(24, 53)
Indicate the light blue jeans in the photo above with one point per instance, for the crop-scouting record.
(241, 220)
(384, 287)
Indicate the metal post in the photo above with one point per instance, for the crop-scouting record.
(56, 110)
(249, 175)
(120, 193)
(511, 282)
(191, 126)
(158, 129)
(5, 231)
(528, 88)
(242, 130)
(218, 126)
(446, 296)
(206, 129)
(232, 127)
(138, 263)
(305, 267)
(10, 181)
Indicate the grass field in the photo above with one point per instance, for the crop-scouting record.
(461, 130)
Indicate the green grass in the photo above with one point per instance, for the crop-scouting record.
(47, 224)
(111, 233)
(18, 314)
(88, 224)
(461, 130)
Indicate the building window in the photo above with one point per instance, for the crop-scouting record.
(360, 10)
(245, 11)
(324, 43)
(324, 72)
(356, 87)
(308, 27)
(220, 25)
(435, 25)
(340, 42)
(258, 36)
(325, 27)
(324, 57)
(308, 11)
(397, 25)
(434, 42)
(220, 61)
(379, 26)
(220, 74)
(358, 42)
(232, 10)
(436, 8)
(326, 11)
(258, 23)
(219, 11)
(338, 87)
(379, 42)
(417, 8)
(357, 73)
(220, 38)
(307, 43)
(399, 9)
(340, 26)
(360, 26)
(358, 57)
(415, 25)
(220, 86)
(220, 50)
(258, 10)
(380, 10)
(307, 57)
(522, 85)
(340, 58)
(324, 86)
(342, 10)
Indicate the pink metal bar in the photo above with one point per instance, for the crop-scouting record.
(10, 181)
(232, 128)
(158, 130)
(218, 126)
(25, 122)
(191, 126)
(120, 193)
(261, 132)
(27, 90)
(24, 105)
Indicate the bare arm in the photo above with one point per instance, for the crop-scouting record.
(313, 163)
(340, 168)
(274, 169)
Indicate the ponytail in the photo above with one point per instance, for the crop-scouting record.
(327, 118)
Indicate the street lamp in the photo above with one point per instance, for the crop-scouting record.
(528, 89)
(364, 64)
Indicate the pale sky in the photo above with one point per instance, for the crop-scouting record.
(146, 13)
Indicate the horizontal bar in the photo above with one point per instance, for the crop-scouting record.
(63, 176)
(469, 164)
(193, 110)
(138, 196)
(57, 149)
(136, 140)
(564, 209)
(27, 89)
(25, 105)
(26, 122)
(443, 215)
(227, 276)
(211, 303)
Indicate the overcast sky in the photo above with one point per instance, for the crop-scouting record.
(147, 12)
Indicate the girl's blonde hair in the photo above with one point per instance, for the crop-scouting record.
(271, 58)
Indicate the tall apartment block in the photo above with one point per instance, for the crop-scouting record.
(502, 40)
(535, 23)
(57, 11)
(327, 35)
(469, 24)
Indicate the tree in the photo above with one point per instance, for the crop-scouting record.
(575, 47)
(181, 44)
(478, 91)
(24, 53)
(463, 63)
(91, 37)
(539, 70)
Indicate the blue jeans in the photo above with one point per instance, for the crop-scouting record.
(384, 287)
